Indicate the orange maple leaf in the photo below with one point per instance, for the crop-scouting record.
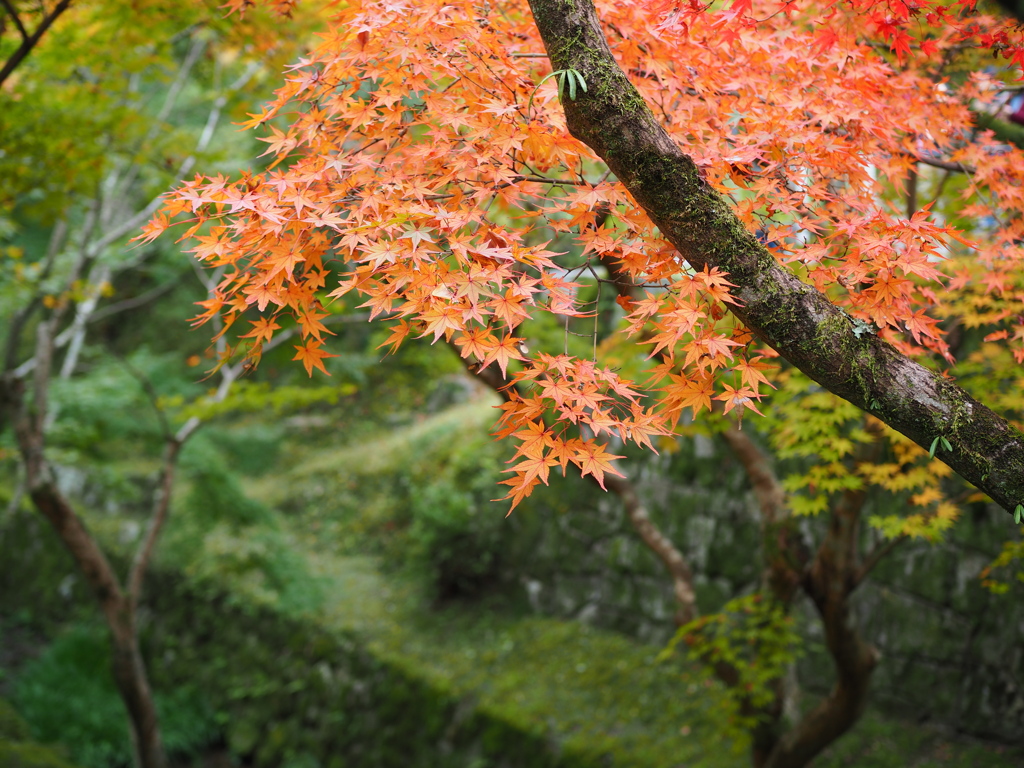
(592, 459)
(312, 355)
(262, 330)
(503, 351)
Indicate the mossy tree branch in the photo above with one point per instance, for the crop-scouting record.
(801, 323)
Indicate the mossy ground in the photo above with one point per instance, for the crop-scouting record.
(380, 675)
(17, 750)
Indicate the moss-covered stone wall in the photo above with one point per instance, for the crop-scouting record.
(950, 650)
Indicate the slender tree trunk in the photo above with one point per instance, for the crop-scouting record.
(830, 582)
(133, 684)
(128, 667)
(118, 606)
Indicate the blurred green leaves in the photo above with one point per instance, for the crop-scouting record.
(67, 695)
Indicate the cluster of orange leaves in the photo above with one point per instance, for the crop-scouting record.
(416, 162)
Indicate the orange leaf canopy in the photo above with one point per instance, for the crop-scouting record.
(418, 164)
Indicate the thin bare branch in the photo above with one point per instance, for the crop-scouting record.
(83, 312)
(875, 556)
(133, 303)
(151, 394)
(212, 120)
(30, 42)
(945, 165)
(673, 560)
(195, 51)
(17, 19)
(41, 383)
(161, 506)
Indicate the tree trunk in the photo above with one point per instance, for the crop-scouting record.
(118, 607)
(133, 684)
(830, 583)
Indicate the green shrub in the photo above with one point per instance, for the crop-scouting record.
(253, 448)
(454, 542)
(29, 755)
(220, 535)
(68, 696)
(457, 539)
(216, 494)
(12, 726)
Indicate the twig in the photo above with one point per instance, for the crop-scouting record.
(161, 506)
(555, 182)
(28, 43)
(17, 19)
(874, 557)
(943, 164)
(132, 303)
(149, 389)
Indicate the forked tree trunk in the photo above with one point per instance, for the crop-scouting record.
(830, 582)
(118, 611)
(118, 605)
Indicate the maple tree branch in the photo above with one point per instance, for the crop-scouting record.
(521, 177)
(17, 19)
(792, 317)
(945, 165)
(29, 42)
(555, 182)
